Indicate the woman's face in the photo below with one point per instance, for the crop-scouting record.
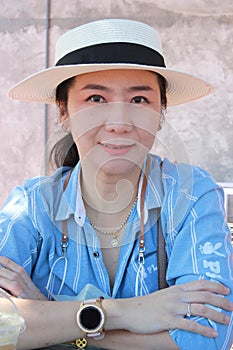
(114, 116)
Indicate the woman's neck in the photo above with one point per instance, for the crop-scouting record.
(108, 198)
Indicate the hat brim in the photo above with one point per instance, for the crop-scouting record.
(41, 87)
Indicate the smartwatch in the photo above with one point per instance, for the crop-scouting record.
(91, 318)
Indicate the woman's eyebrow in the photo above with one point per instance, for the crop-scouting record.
(105, 88)
(140, 88)
(95, 87)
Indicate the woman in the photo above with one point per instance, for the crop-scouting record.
(89, 230)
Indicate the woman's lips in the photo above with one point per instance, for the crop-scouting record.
(116, 149)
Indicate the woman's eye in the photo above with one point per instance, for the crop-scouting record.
(96, 99)
(139, 99)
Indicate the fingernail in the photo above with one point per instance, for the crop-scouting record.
(214, 333)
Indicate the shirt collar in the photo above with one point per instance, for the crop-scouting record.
(71, 202)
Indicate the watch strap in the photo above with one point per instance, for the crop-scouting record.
(99, 334)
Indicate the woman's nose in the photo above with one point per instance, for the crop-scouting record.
(118, 127)
(118, 119)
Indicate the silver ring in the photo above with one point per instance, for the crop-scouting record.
(22, 296)
(189, 313)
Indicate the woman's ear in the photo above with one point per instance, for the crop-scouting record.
(63, 112)
(64, 116)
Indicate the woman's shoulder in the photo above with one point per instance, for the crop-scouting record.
(185, 177)
(33, 192)
(43, 182)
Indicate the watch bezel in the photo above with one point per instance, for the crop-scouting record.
(97, 329)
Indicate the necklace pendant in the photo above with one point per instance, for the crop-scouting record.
(114, 242)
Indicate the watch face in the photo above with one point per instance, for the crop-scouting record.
(90, 317)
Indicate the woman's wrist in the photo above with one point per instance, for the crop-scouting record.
(115, 313)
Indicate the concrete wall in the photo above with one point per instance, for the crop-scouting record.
(197, 37)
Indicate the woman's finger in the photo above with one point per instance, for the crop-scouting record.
(15, 279)
(11, 281)
(14, 288)
(205, 285)
(210, 298)
(16, 273)
(207, 312)
(12, 266)
(195, 327)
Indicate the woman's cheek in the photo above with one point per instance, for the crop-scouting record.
(85, 142)
(147, 139)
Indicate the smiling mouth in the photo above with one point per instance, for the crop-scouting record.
(108, 145)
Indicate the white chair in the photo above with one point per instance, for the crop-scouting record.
(228, 203)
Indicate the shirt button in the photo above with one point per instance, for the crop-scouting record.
(96, 254)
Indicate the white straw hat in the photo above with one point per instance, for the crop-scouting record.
(109, 44)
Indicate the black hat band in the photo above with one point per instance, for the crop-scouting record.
(127, 53)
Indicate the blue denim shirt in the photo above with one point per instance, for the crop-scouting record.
(192, 214)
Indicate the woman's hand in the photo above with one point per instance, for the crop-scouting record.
(16, 281)
(167, 308)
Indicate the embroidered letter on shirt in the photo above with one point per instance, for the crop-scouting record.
(214, 266)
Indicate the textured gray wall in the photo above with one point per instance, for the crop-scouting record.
(197, 37)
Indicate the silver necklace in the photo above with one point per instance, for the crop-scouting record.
(114, 234)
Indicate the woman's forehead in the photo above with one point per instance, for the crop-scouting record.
(124, 77)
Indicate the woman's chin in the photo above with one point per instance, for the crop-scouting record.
(121, 166)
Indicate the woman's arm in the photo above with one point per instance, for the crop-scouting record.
(47, 323)
(166, 309)
(50, 322)
(124, 340)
